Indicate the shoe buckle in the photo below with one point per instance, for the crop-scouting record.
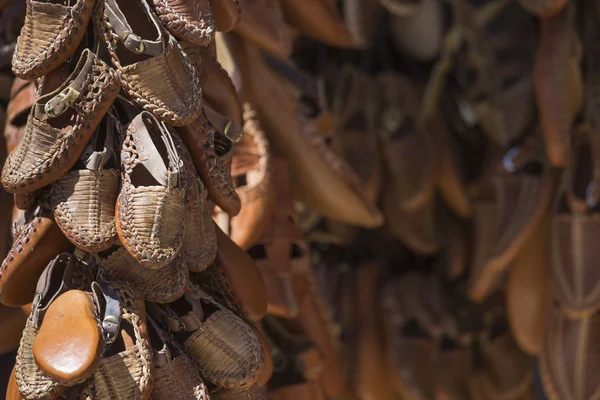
(226, 133)
(133, 42)
(108, 324)
(61, 102)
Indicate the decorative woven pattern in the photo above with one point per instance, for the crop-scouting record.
(45, 153)
(215, 281)
(128, 374)
(49, 36)
(159, 286)
(178, 380)
(191, 21)
(84, 208)
(166, 85)
(224, 347)
(150, 219)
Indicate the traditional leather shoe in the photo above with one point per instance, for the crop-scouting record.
(252, 171)
(507, 213)
(569, 346)
(150, 213)
(64, 273)
(93, 317)
(13, 322)
(125, 371)
(223, 346)
(175, 374)
(528, 290)
(558, 82)
(227, 14)
(38, 241)
(409, 202)
(157, 285)
(143, 57)
(544, 8)
(281, 253)
(191, 21)
(83, 201)
(50, 35)
(362, 18)
(234, 280)
(60, 125)
(356, 128)
(318, 19)
(338, 194)
(262, 24)
(417, 31)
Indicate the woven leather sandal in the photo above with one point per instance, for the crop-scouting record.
(37, 242)
(252, 172)
(175, 374)
(60, 125)
(84, 199)
(157, 285)
(191, 21)
(224, 347)
(227, 14)
(234, 280)
(50, 35)
(125, 371)
(144, 56)
(558, 83)
(263, 24)
(151, 205)
(62, 274)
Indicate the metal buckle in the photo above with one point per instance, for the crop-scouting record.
(110, 319)
(139, 49)
(226, 133)
(61, 102)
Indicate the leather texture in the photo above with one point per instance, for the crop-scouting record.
(262, 23)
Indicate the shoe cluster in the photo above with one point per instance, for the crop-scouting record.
(299, 199)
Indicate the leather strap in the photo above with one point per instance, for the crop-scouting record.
(130, 40)
(63, 264)
(56, 103)
(95, 159)
(106, 298)
(231, 129)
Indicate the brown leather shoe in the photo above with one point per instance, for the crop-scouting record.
(263, 25)
(558, 82)
(252, 170)
(226, 13)
(318, 19)
(234, 280)
(321, 179)
(37, 242)
(191, 21)
(511, 204)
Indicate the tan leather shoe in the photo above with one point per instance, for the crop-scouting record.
(318, 19)
(527, 290)
(321, 179)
